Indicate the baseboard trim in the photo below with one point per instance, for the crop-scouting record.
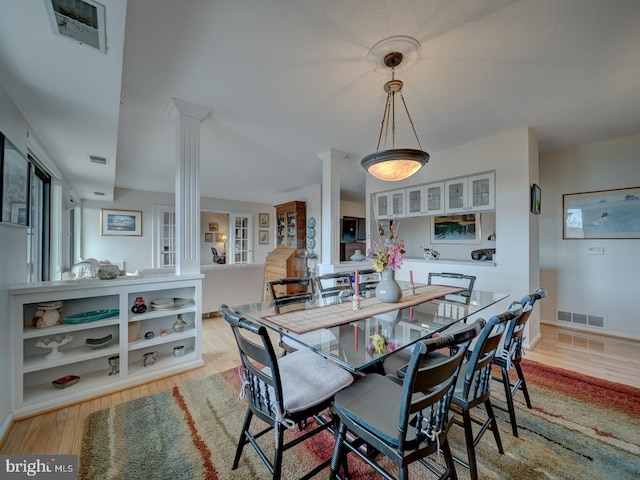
(4, 428)
(590, 331)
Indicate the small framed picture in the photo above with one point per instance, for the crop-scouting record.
(214, 227)
(220, 237)
(14, 167)
(120, 222)
(263, 220)
(535, 199)
(208, 237)
(263, 237)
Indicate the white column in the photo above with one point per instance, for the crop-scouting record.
(330, 252)
(188, 118)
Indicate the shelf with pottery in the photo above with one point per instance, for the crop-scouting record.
(60, 363)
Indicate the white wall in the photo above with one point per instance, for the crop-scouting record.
(136, 252)
(603, 285)
(509, 154)
(13, 260)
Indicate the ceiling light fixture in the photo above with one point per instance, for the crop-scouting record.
(394, 164)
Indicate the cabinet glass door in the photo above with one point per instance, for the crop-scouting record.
(397, 203)
(456, 195)
(433, 195)
(481, 188)
(414, 201)
(382, 201)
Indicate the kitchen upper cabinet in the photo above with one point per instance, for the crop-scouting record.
(416, 201)
(390, 204)
(434, 198)
(470, 194)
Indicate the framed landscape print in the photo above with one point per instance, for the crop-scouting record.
(463, 228)
(602, 214)
(214, 226)
(120, 222)
(15, 184)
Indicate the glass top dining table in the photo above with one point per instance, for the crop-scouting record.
(358, 345)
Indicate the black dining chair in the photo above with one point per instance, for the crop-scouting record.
(368, 280)
(473, 387)
(404, 421)
(510, 354)
(454, 280)
(283, 392)
(332, 284)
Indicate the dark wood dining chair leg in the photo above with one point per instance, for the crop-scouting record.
(493, 425)
(277, 457)
(338, 457)
(448, 457)
(243, 438)
(523, 384)
(510, 406)
(471, 447)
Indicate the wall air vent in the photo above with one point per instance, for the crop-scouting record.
(98, 160)
(580, 318)
(79, 20)
(99, 194)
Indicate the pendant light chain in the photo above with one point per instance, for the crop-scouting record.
(410, 120)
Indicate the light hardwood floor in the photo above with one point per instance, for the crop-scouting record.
(60, 431)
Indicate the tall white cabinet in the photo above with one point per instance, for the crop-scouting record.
(133, 336)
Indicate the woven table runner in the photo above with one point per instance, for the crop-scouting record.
(301, 321)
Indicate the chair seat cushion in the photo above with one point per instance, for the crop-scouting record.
(308, 379)
(374, 402)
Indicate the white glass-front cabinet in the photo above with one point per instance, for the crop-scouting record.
(434, 198)
(415, 201)
(470, 194)
(390, 204)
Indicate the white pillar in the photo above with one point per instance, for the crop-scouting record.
(188, 118)
(330, 252)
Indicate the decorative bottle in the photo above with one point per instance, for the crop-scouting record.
(180, 324)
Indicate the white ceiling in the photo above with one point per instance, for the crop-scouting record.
(286, 80)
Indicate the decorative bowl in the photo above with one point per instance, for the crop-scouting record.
(108, 272)
(65, 382)
(96, 343)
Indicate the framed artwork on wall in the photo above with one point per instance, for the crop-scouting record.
(602, 214)
(263, 237)
(208, 237)
(535, 199)
(15, 184)
(120, 222)
(214, 227)
(463, 228)
(263, 220)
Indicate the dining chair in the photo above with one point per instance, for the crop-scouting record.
(332, 284)
(454, 280)
(283, 392)
(404, 421)
(510, 354)
(281, 298)
(216, 258)
(368, 280)
(473, 387)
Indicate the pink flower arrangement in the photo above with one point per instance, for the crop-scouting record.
(387, 252)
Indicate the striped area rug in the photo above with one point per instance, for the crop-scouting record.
(579, 428)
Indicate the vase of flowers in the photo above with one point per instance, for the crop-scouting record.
(387, 258)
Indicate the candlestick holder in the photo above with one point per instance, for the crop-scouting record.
(356, 302)
(412, 289)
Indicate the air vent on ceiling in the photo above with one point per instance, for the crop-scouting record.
(98, 160)
(79, 20)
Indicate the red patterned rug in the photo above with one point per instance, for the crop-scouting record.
(580, 428)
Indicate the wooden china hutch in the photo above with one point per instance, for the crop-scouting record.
(291, 241)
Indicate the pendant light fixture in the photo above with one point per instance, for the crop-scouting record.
(393, 164)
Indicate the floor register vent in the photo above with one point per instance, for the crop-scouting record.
(581, 319)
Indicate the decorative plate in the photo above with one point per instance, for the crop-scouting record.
(168, 303)
(311, 233)
(65, 382)
(311, 223)
(91, 316)
(96, 343)
(311, 244)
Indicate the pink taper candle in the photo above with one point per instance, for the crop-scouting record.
(356, 278)
(411, 276)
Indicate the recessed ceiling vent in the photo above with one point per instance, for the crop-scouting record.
(98, 160)
(79, 20)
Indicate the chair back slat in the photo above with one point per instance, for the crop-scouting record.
(427, 392)
(332, 284)
(302, 292)
(454, 280)
(514, 335)
(261, 385)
